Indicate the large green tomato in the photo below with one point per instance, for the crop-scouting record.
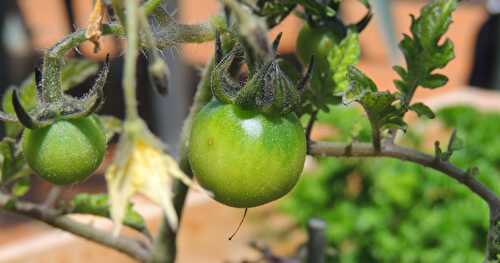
(66, 151)
(243, 157)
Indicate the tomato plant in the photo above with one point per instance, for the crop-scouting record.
(67, 151)
(268, 152)
(242, 139)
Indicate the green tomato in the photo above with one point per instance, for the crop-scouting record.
(66, 151)
(243, 157)
(317, 41)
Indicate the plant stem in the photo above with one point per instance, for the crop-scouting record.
(129, 79)
(131, 247)
(309, 127)
(406, 154)
(52, 92)
(316, 244)
(165, 246)
(493, 244)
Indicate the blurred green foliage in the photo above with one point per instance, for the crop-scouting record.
(384, 210)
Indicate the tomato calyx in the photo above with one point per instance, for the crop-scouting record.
(53, 104)
(267, 88)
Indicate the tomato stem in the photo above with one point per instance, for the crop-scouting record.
(129, 79)
(52, 92)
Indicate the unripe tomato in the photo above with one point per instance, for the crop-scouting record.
(243, 157)
(66, 151)
(317, 41)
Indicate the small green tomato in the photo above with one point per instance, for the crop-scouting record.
(243, 157)
(66, 151)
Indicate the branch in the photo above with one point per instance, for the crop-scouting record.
(129, 246)
(391, 150)
(168, 36)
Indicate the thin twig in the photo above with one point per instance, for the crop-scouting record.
(129, 246)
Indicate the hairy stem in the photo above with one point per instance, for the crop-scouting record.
(129, 79)
(131, 247)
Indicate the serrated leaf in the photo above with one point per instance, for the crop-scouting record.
(359, 84)
(382, 110)
(422, 50)
(433, 22)
(21, 186)
(401, 72)
(98, 204)
(343, 55)
(422, 110)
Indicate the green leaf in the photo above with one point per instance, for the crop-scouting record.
(359, 84)
(455, 143)
(422, 50)
(343, 55)
(434, 81)
(422, 110)
(382, 110)
(275, 11)
(13, 165)
(98, 204)
(433, 22)
(21, 186)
